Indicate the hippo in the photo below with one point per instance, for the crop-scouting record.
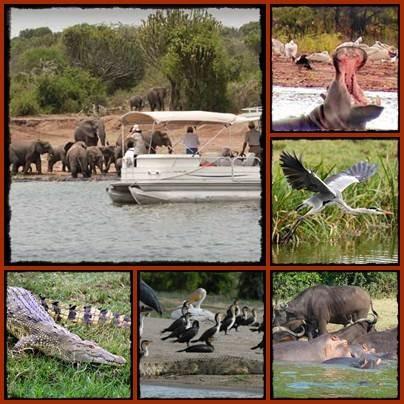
(345, 108)
(370, 362)
(319, 349)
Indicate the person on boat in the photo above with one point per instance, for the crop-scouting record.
(252, 138)
(191, 141)
(135, 130)
(129, 156)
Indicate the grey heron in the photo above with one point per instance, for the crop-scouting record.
(327, 192)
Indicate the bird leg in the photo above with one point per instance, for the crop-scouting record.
(286, 238)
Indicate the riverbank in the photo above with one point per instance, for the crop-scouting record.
(374, 76)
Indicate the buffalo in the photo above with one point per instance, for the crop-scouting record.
(319, 305)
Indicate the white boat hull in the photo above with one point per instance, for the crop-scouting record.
(168, 182)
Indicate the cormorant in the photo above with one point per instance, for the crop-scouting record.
(180, 329)
(211, 332)
(144, 348)
(148, 297)
(228, 322)
(142, 317)
(180, 321)
(260, 345)
(190, 333)
(208, 348)
(241, 317)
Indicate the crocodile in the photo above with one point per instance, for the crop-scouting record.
(84, 315)
(29, 322)
(222, 365)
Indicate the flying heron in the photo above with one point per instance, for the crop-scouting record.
(328, 191)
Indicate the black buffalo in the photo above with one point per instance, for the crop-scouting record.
(320, 305)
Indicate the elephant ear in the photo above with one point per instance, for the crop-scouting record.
(67, 146)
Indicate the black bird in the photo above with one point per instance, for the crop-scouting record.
(228, 322)
(180, 321)
(260, 328)
(211, 332)
(208, 348)
(241, 317)
(252, 320)
(180, 329)
(144, 348)
(260, 345)
(189, 333)
(302, 61)
(149, 298)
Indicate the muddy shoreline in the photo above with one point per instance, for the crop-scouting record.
(374, 76)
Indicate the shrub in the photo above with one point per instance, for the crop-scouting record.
(25, 103)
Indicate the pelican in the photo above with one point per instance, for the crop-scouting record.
(195, 300)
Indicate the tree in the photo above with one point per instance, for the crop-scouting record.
(110, 53)
(187, 47)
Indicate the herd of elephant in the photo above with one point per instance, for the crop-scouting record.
(155, 97)
(83, 154)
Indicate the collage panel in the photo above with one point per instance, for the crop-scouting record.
(155, 159)
(69, 334)
(201, 334)
(335, 201)
(334, 68)
(334, 334)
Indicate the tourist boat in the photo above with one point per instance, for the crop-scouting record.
(203, 177)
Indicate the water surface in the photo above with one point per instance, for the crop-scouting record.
(361, 250)
(157, 391)
(331, 381)
(295, 101)
(77, 221)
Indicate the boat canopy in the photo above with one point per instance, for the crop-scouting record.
(184, 117)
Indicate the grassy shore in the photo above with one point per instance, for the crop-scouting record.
(34, 375)
(327, 157)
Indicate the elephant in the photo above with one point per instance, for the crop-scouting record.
(345, 107)
(118, 165)
(109, 156)
(156, 97)
(77, 159)
(23, 154)
(89, 131)
(157, 139)
(57, 154)
(95, 159)
(136, 103)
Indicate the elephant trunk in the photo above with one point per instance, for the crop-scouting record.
(101, 133)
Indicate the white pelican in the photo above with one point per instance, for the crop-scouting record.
(195, 300)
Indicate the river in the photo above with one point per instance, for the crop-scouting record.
(295, 101)
(158, 391)
(76, 221)
(361, 250)
(292, 380)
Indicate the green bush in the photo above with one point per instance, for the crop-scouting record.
(70, 91)
(24, 103)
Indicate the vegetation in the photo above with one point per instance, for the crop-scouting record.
(35, 375)
(323, 28)
(326, 157)
(245, 285)
(203, 64)
(286, 285)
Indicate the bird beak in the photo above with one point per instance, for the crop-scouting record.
(386, 212)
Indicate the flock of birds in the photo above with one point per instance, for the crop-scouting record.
(186, 325)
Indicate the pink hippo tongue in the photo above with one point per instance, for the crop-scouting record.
(347, 61)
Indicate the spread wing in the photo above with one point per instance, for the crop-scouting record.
(300, 177)
(149, 298)
(359, 172)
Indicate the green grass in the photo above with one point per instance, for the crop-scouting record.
(34, 375)
(326, 157)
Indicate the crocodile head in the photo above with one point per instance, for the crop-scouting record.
(78, 350)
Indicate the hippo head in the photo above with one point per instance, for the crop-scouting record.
(335, 347)
(345, 106)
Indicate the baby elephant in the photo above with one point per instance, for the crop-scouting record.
(23, 154)
(77, 159)
(58, 154)
(95, 159)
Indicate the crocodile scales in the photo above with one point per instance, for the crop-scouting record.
(28, 321)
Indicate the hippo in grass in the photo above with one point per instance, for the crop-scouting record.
(318, 350)
(345, 108)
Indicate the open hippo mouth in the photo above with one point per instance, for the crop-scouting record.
(348, 60)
